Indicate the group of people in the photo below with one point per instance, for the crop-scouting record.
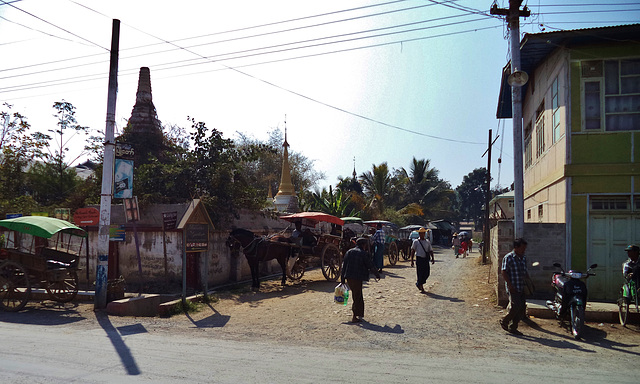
(461, 245)
(357, 266)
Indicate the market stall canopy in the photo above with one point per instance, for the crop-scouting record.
(373, 223)
(413, 227)
(42, 226)
(311, 218)
(351, 219)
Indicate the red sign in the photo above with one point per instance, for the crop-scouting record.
(84, 217)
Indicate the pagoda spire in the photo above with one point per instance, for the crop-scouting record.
(286, 186)
(286, 199)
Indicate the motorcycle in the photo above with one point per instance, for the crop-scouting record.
(570, 297)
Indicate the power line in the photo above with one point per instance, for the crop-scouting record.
(53, 25)
(209, 59)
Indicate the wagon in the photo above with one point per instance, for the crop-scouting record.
(329, 247)
(38, 252)
(391, 238)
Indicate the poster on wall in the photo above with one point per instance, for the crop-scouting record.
(123, 168)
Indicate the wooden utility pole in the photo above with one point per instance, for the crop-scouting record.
(107, 174)
(513, 15)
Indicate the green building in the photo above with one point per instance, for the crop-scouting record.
(581, 119)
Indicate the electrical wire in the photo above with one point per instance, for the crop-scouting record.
(209, 59)
(53, 25)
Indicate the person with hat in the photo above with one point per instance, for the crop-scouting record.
(356, 267)
(422, 249)
(631, 267)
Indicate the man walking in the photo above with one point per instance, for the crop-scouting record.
(355, 269)
(378, 247)
(514, 272)
(422, 249)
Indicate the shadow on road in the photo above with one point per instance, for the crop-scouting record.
(217, 320)
(48, 313)
(440, 297)
(121, 348)
(378, 328)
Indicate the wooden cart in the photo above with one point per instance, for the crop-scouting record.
(329, 247)
(38, 252)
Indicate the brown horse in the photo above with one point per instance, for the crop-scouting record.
(257, 249)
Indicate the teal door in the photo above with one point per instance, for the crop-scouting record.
(608, 237)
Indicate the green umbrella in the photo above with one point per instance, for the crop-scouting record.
(41, 226)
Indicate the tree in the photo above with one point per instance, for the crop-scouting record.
(377, 186)
(471, 193)
(265, 168)
(18, 149)
(336, 203)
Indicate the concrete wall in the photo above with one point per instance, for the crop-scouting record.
(546, 245)
(223, 267)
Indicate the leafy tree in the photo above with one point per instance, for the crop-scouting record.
(18, 147)
(266, 169)
(471, 194)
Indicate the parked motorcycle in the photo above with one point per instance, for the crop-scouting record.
(571, 297)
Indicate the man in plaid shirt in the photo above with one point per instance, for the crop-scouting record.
(514, 272)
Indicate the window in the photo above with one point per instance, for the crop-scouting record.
(539, 137)
(511, 204)
(555, 108)
(612, 95)
(610, 204)
(540, 211)
(528, 157)
(528, 214)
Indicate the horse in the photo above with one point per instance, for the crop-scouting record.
(257, 249)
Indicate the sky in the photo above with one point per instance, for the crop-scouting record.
(356, 83)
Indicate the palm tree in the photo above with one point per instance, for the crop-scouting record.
(377, 186)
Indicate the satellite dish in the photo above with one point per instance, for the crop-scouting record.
(518, 78)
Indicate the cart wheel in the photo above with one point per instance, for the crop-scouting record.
(62, 285)
(393, 253)
(331, 262)
(15, 287)
(297, 270)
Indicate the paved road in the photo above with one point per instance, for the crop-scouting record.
(43, 354)
(445, 336)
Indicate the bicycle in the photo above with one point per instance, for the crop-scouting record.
(628, 301)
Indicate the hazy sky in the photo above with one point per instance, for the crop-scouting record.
(381, 81)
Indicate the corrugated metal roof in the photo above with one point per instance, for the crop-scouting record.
(535, 47)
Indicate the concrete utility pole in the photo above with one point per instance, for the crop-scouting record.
(513, 15)
(487, 198)
(107, 174)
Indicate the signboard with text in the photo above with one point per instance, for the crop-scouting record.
(84, 217)
(197, 237)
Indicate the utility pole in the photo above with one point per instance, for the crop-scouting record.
(513, 15)
(487, 198)
(107, 173)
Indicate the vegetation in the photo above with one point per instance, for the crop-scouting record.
(180, 164)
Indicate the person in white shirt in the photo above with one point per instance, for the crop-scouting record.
(422, 249)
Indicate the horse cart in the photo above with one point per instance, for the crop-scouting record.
(328, 247)
(391, 238)
(38, 252)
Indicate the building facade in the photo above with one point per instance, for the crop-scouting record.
(581, 119)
